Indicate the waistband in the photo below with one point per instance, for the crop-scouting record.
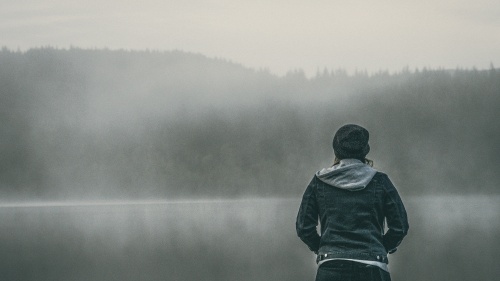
(321, 257)
(353, 263)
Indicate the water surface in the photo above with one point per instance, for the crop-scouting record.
(451, 238)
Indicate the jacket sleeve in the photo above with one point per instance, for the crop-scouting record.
(397, 220)
(307, 218)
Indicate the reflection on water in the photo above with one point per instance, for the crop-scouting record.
(451, 238)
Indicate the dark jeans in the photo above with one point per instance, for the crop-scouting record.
(341, 270)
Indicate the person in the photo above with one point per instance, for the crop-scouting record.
(352, 202)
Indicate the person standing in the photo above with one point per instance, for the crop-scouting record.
(352, 201)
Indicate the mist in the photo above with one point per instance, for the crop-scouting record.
(118, 124)
(452, 237)
(82, 125)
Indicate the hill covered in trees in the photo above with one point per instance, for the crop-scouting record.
(121, 124)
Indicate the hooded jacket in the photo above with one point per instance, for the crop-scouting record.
(351, 200)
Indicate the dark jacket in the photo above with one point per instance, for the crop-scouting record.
(352, 217)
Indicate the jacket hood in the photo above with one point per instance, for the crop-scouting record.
(350, 174)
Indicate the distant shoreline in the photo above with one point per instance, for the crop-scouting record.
(98, 203)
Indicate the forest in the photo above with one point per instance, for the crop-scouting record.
(118, 124)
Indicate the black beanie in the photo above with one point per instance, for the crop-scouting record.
(351, 141)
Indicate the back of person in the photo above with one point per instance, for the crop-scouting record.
(352, 201)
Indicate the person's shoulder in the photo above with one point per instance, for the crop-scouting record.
(383, 180)
(314, 178)
(380, 176)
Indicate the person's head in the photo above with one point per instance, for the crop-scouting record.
(351, 141)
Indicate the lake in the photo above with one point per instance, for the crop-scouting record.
(450, 238)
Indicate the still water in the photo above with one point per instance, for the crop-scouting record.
(451, 238)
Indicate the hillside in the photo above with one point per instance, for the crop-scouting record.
(120, 124)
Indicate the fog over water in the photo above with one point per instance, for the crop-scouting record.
(121, 165)
(450, 238)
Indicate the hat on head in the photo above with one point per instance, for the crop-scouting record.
(351, 141)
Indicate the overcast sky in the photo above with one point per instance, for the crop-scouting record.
(275, 34)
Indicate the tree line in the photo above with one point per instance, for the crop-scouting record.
(80, 123)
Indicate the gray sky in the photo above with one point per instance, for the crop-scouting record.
(275, 34)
